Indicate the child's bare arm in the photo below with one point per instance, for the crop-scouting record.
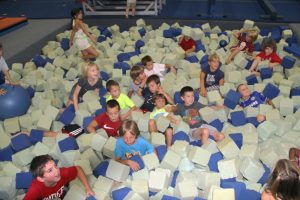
(172, 119)
(202, 85)
(191, 49)
(92, 126)
(294, 153)
(84, 181)
(237, 33)
(167, 96)
(132, 164)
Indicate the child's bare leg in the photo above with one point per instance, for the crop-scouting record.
(127, 11)
(50, 134)
(89, 53)
(202, 134)
(133, 10)
(152, 126)
(254, 65)
(169, 135)
(219, 136)
(232, 55)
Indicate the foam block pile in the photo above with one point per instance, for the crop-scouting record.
(235, 168)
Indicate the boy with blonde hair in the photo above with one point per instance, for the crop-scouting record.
(139, 79)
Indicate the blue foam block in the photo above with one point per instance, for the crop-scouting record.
(87, 121)
(271, 91)
(196, 143)
(253, 121)
(6, 153)
(176, 31)
(64, 43)
(23, 180)
(101, 38)
(166, 197)
(199, 46)
(39, 61)
(120, 194)
(20, 142)
(213, 161)
(118, 65)
(293, 49)
(123, 57)
(295, 92)
(142, 31)
(265, 73)
(292, 40)
(175, 174)
(217, 124)
(106, 33)
(100, 170)
(90, 198)
(139, 160)
(36, 136)
(239, 188)
(257, 46)
(249, 195)
(102, 91)
(180, 136)
(237, 138)
(68, 144)
(151, 193)
(264, 32)
(99, 111)
(249, 63)
(204, 59)
(30, 91)
(192, 59)
(251, 80)
(238, 118)
(161, 152)
(198, 198)
(125, 67)
(276, 34)
(228, 180)
(139, 44)
(105, 76)
(168, 33)
(288, 62)
(103, 102)
(265, 176)
(68, 115)
(232, 99)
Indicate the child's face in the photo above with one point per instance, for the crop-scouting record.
(115, 91)
(213, 64)
(51, 173)
(248, 37)
(113, 113)
(149, 65)
(129, 138)
(153, 87)
(142, 76)
(188, 98)
(93, 72)
(268, 50)
(79, 15)
(160, 103)
(244, 91)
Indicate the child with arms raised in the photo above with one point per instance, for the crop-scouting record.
(130, 144)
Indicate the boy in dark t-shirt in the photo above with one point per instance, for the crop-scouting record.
(189, 111)
(211, 78)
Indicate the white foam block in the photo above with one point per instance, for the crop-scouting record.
(265, 130)
(181, 147)
(252, 169)
(91, 156)
(248, 24)
(93, 106)
(25, 121)
(171, 160)
(141, 174)
(137, 100)
(228, 148)
(68, 157)
(186, 190)
(23, 158)
(157, 181)
(85, 165)
(109, 147)
(141, 187)
(143, 123)
(151, 161)
(207, 179)
(286, 106)
(117, 171)
(228, 168)
(199, 155)
(104, 184)
(249, 150)
(214, 96)
(98, 142)
(7, 187)
(80, 115)
(9, 169)
(251, 111)
(12, 125)
(51, 112)
(157, 139)
(40, 149)
(220, 193)
(44, 123)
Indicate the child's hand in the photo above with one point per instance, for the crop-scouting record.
(89, 192)
(133, 165)
(160, 90)
(2, 92)
(177, 121)
(203, 92)
(260, 118)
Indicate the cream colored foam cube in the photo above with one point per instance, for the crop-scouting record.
(141, 187)
(228, 168)
(90, 155)
(40, 149)
(214, 96)
(151, 161)
(104, 184)
(143, 123)
(207, 179)
(93, 106)
(272, 115)
(181, 147)
(249, 150)
(22, 158)
(51, 112)
(171, 160)
(162, 123)
(185, 165)
(25, 121)
(85, 165)
(141, 174)
(186, 190)
(286, 106)
(206, 27)
(12, 125)
(248, 24)
(158, 180)
(98, 142)
(117, 171)
(44, 123)
(199, 155)
(287, 33)
(9, 169)
(220, 193)
(7, 187)
(188, 31)
(157, 139)
(252, 169)
(80, 115)
(109, 147)
(228, 148)
(265, 130)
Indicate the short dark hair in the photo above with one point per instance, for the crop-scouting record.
(153, 78)
(75, 12)
(112, 104)
(186, 89)
(131, 126)
(146, 59)
(238, 87)
(111, 83)
(269, 42)
(38, 163)
(158, 96)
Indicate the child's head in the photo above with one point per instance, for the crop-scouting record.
(214, 62)
(269, 46)
(147, 62)
(76, 13)
(159, 101)
(113, 110)
(284, 181)
(113, 88)
(45, 170)
(91, 70)
(187, 95)
(129, 131)
(137, 74)
(153, 83)
(243, 90)
(251, 35)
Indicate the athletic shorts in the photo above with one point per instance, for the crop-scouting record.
(212, 131)
(131, 2)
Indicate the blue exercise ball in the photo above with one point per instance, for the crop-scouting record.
(15, 102)
(223, 43)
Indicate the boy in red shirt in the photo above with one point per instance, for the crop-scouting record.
(50, 181)
(268, 53)
(245, 43)
(187, 44)
(110, 120)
